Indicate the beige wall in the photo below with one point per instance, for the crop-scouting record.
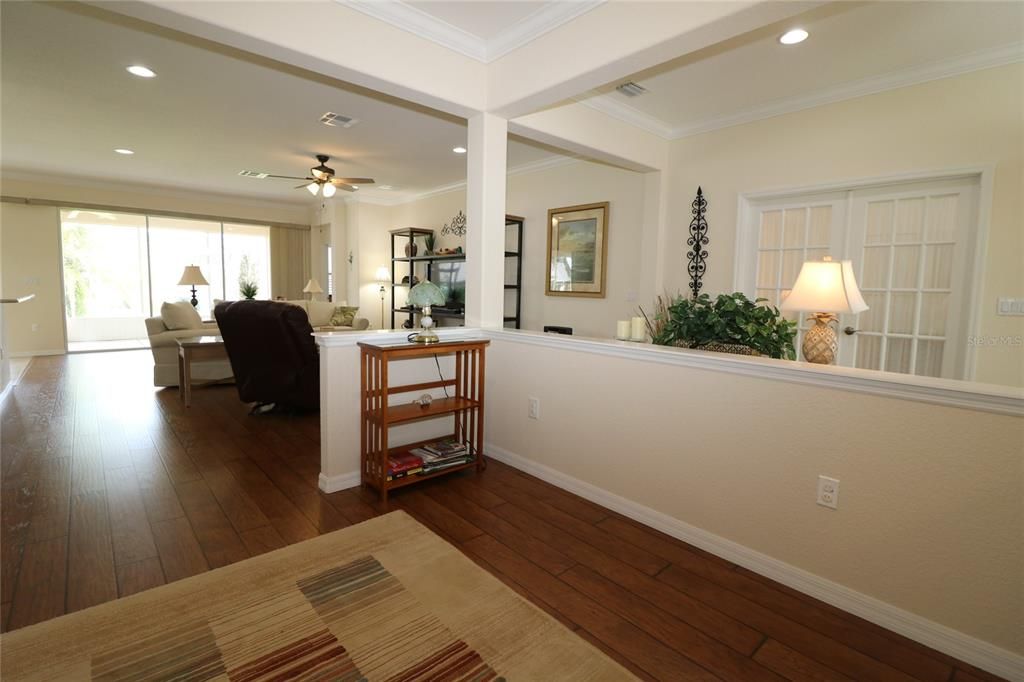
(930, 516)
(5, 361)
(974, 119)
(530, 195)
(31, 265)
(31, 240)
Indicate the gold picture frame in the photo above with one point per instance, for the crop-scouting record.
(577, 250)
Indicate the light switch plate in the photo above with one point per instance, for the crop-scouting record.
(1010, 306)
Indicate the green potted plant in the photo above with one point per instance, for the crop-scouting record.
(428, 242)
(730, 323)
(248, 290)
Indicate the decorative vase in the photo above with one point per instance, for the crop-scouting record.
(411, 249)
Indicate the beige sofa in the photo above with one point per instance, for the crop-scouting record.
(320, 312)
(164, 345)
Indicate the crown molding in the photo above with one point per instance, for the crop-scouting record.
(946, 68)
(414, 20)
(955, 66)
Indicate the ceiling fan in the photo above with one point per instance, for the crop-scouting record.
(322, 180)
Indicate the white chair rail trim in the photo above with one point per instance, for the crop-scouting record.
(983, 397)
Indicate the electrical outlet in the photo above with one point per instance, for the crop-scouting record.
(534, 411)
(828, 492)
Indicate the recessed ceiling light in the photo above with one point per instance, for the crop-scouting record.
(459, 150)
(126, 152)
(793, 36)
(141, 71)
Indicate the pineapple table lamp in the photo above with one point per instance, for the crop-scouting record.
(828, 288)
(424, 295)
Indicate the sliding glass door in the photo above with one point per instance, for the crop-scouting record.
(119, 268)
(106, 279)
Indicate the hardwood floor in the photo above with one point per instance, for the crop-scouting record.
(111, 487)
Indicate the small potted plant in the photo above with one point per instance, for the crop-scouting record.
(428, 242)
(248, 290)
(730, 323)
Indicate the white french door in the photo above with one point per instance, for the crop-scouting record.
(912, 246)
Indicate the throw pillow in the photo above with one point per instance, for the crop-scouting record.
(343, 316)
(180, 315)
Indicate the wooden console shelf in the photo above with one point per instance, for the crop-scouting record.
(466, 406)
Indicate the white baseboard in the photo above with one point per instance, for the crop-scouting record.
(34, 353)
(332, 484)
(947, 640)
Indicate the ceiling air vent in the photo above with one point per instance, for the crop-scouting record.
(334, 120)
(252, 174)
(631, 89)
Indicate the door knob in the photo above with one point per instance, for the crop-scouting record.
(850, 331)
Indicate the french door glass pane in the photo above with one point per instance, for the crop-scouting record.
(934, 309)
(901, 312)
(246, 259)
(929, 358)
(938, 266)
(106, 283)
(942, 218)
(909, 220)
(771, 229)
(792, 261)
(869, 351)
(904, 266)
(177, 242)
(794, 228)
(768, 269)
(875, 274)
(897, 355)
(873, 319)
(820, 229)
(879, 223)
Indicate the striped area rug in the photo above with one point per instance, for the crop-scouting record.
(383, 600)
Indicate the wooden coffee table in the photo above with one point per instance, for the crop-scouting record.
(196, 348)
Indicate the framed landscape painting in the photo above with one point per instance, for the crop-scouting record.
(577, 250)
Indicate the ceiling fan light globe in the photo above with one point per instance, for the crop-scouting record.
(329, 190)
(313, 188)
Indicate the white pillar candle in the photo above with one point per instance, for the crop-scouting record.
(622, 330)
(639, 332)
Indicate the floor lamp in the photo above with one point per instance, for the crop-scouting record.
(383, 276)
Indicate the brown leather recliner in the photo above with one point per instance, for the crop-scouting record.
(272, 353)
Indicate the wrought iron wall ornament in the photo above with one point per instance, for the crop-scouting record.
(697, 254)
(457, 227)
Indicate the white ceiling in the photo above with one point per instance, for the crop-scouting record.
(853, 49)
(485, 20)
(210, 112)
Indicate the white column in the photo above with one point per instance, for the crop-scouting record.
(485, 220)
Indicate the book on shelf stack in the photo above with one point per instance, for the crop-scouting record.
(442, 454)
(403, 464)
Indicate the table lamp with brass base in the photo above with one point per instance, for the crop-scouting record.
(826, 287)
(424, 295)
(193, 277)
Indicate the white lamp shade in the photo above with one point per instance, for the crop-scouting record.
(383, 274)
(826, 286)
(329, 190)
(313, 188)
(312, 287)
(193, 276)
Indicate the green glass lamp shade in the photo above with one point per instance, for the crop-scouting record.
(426, 294)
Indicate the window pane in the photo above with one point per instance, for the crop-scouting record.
(897, 355)
(792, 261)
(175, 243)
(795, 227)
(901, 313)
(909, 220)
(929, 358)
(869, 351)
(942, 212)
(879, 228)
(876, 268)
(106, 280)
(768, 269)
(770, 294)
(246, 259)
(938, 266)
(934, 308)
(819, 232)
(771, 229)
(872, 319)
(904, 267)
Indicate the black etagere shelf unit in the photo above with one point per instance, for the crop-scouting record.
(411, 263)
